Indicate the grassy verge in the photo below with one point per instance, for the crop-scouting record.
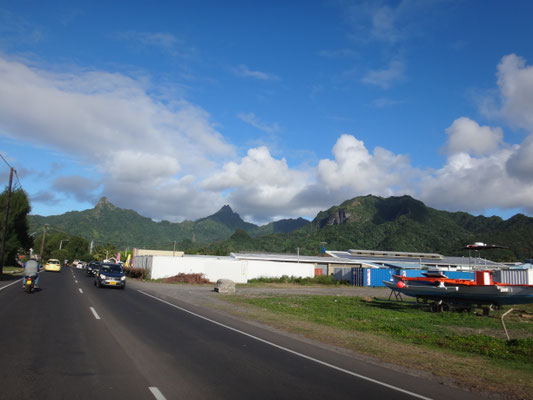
(468, 348)
(297, 280)
(11, 273)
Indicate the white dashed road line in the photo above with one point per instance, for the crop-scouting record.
(94, 313)
(81, 291)
(157, 393)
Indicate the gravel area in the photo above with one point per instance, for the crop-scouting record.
(204, 295)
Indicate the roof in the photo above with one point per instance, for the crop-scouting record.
(293, 258)
(407, 260)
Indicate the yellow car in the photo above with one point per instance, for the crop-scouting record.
(53, 265)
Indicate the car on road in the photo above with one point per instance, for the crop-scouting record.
(53, 265)
(92, 268)
(80, 265)
(110, 275)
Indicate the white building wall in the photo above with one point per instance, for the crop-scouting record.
(275, 269)
(213, 268)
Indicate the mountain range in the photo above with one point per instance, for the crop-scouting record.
(365, 222)
(106, 223)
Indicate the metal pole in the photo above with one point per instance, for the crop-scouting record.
(42, 243)
(4, 231)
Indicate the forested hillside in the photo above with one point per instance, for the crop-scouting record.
(366, 222)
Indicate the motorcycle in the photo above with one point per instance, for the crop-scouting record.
(29, 284)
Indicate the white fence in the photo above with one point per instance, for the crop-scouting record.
(214, 268)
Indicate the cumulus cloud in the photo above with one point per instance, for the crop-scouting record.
(166, 159)
(467, 136)
(112, 122)
(259, 185)
(520, 163)
(356, 168)
(473, 184)
(478, 178)
(515, 81)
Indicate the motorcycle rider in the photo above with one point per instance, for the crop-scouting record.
(31, 268)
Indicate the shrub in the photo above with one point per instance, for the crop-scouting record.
(186, 278)
(317, 280)
(136, 273)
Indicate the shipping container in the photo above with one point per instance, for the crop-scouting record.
(514, 276)
(354, 275)
(375, 276)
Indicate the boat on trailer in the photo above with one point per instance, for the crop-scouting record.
(445, 294)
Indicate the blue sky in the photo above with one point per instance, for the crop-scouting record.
(279, 109)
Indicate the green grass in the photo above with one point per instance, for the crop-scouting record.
(317, 280)
(11, 273)
(407, 323)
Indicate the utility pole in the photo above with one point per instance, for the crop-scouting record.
(174, 253)
(4, 231)
(42, 243)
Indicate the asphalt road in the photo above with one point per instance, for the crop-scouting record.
(71, 340)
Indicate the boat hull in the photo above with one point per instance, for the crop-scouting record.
(476, 294)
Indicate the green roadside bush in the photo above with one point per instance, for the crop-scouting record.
(317, 280)
(136, 273)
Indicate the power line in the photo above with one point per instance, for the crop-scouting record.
(14, 170)
(5, 161)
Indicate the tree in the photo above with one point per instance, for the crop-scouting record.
(17, 237)
(106, 251)
(63, 247)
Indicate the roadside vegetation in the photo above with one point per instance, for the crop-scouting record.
(11, 273)
(469, 348)
(186, 278)
(327, 280)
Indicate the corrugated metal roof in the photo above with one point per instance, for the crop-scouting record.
(292, 258)
(344, 257)
(416, 262)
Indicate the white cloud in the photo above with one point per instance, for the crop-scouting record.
(385, 102)
(474, 180)
(78, 186)
(252, 119)
(166, 160)
(140, 168)
(385, 78)
(245, 72)
(260, 185)
(164, 41)
(355, 168)
(515, 81)
(111, 122)
(520, 163)
(467, 136)
(512, 101)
